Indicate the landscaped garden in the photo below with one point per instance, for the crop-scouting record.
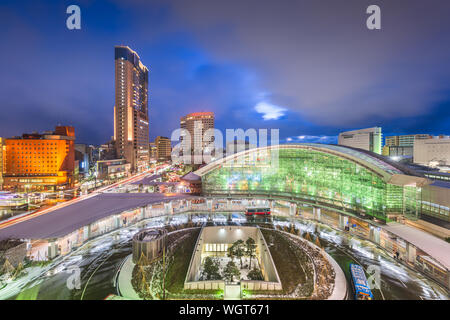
(303, 270)
(239, 263)
(169, 272)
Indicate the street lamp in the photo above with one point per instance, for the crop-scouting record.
(95, 175)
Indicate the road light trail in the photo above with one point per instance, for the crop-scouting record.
(95, 193)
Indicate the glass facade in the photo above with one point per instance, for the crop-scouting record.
(314, 176)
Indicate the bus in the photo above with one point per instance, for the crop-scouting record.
(359, 281)
(250, 212)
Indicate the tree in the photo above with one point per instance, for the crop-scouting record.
(307, 236)
(210, 269)
(239, 249)
(317, 242)
(230, 252)
(231, 271)
(255, 274)
(250, 245)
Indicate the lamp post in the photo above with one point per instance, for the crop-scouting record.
(95, 175)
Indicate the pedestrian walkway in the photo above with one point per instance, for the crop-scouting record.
(436, 248)
(124, 285)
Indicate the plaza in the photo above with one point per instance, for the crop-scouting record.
(357, 194)
(215, 241)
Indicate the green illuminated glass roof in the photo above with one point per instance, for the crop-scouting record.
(371, 161)
(357, 154)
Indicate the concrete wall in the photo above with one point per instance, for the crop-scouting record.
(260, 285)
(435, 150)
(205, 285)
(151, 249)
(436, 201)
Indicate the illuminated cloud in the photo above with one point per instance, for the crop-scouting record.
(270, 111)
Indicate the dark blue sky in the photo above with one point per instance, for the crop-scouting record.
(310, 68)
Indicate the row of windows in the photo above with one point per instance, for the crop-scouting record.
(216, 247)
(33, 143)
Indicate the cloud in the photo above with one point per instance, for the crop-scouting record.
(270, 111)
(320, 69)
(317, 58)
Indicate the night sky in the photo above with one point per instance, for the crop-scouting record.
(310, 68)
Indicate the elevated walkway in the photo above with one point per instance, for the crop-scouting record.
(433, 246)
(426, 226)
(124, 286)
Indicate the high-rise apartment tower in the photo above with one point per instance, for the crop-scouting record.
(131, 125)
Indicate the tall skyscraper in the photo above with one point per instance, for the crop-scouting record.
(196, 124)
(131, 126)
(366, 139)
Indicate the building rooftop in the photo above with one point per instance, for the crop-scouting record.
(63, 221)
(149, 234)
(196, 114)
(433, 246)
(191, 177)
(147, 180)
(377, 163)
(441, 184)
(364, 155)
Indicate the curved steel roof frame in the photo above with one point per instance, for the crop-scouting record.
(372, 163)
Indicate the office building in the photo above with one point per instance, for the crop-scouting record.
(163, 148)
(84, 156)
(391, 141)
(398, 151)
(131, 124)
(153, 151)
(366, 139)
(402, 145)
(1, 163)
(106, 151)
(196, 125)
(112, 169)
(39, 161)
(432, 152)
(408, 140)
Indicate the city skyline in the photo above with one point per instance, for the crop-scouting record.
(245, 88)
(192, 151)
